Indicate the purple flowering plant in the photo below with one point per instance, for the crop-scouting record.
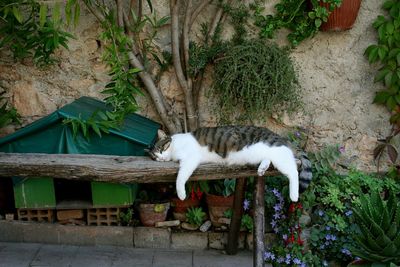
(289, 248)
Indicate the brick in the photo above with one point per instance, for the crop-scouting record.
(150, 237)
(36, 215)
(64, 215)
(189, 240)
(103, 216)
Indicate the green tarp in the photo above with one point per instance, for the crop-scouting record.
(50, 135)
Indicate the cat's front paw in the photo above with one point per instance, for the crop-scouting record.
(294, 196)
(181, 194)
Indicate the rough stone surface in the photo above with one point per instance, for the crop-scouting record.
(218, 240)
(195, 240)
(148, 237)
(336, 78)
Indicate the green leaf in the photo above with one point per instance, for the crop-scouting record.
(391, 103)
(318, 23)
(381, 75)
(56, 13)
(77, 14)
(17, 14)
(381, 97)
(42, 14)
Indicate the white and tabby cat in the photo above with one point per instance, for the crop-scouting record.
(239, 145)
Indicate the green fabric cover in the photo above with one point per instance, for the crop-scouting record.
(49, 135)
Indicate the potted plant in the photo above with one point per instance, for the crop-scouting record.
(378, 238)
(195, 191)
(304, 18)
(341, 17)
(152, 207)
(220, 199)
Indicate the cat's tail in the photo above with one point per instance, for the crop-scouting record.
(305, 171)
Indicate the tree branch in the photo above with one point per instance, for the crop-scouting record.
(158, 99)
(120, 13)
(198, 10)
(95, 11)
(191, 115)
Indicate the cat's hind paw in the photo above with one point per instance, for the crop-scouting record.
(264, 165)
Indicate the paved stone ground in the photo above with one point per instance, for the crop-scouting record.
(40, 255)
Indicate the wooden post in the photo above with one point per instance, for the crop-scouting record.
(234, 228)
(259, 223)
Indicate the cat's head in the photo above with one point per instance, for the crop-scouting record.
(162, 148)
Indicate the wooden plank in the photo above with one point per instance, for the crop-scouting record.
(234, 228)
(259, 223)
(115, 169)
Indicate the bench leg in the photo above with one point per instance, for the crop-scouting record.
(259, 223)
(234, 229)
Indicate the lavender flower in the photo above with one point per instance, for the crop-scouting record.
(348, 213)
(273, 223)
(276, 216)
(341, 149)
(321, 213)
(284, 237)
(303, 264)
(280, 260)
(288, 259)
(333, 238)
(268, 256)
(328, 237)
(327, 228)
(297, 134)
(246, 204)
(296, 261)
(346, 252)
(276, 192)
(278, 207)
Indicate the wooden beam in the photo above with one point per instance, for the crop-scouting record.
(115, 169)
(259, 223)
(234, 228)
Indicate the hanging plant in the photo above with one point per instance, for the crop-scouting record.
(257, 79)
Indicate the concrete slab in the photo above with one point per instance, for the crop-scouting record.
(215, 258)
(17, 254)
(137, 257)
(173, 258)
(38, 255)
(49, 255)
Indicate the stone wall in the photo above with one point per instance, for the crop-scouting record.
(336, 78)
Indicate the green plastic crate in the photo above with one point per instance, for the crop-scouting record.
(34, 193)
(113, 195)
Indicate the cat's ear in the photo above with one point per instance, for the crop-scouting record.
(161, 134)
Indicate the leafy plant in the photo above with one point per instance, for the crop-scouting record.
(197, 188)
(7, 115)
(98, 122)
(126, 218)
(28, 31)
(379, 223)
(303, 18)
(224, 187)
(386, 52)
(195, 216)
(255, 79)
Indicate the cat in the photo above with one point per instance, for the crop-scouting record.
(240, 145)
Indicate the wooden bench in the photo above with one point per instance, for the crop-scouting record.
(117, 169)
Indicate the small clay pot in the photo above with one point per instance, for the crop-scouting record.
(217, 205)
(151, 213)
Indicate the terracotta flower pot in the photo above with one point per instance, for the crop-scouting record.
(343, 17)
(180, 207)
(151, 213)
(217, 205)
